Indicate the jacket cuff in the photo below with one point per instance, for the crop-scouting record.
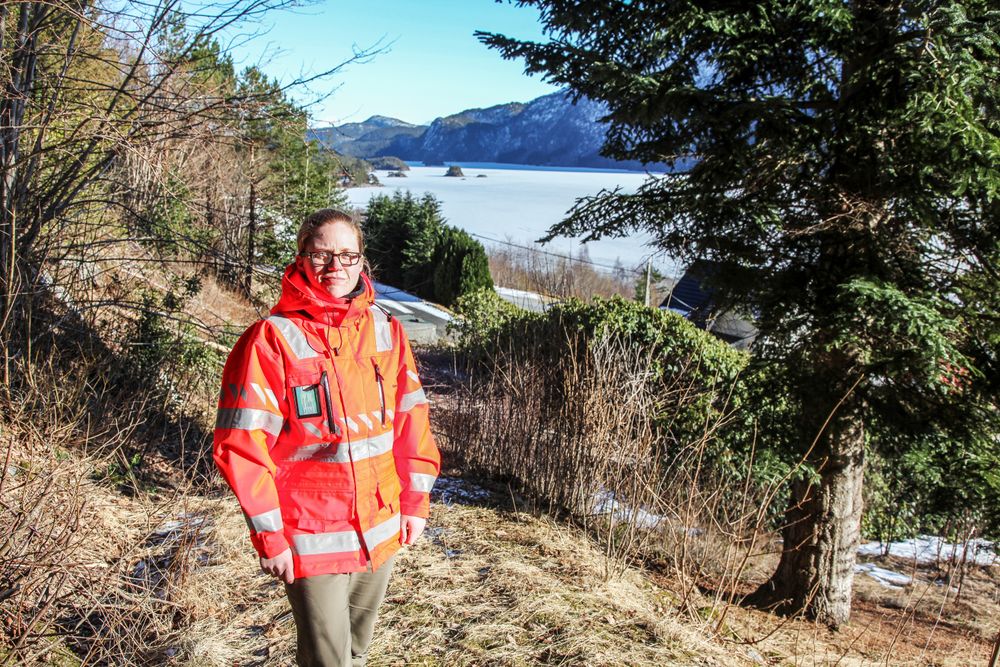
(415, 503)
(269, 544)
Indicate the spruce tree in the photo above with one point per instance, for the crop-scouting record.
(840, 162)
(401, 234)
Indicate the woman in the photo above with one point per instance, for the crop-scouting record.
(322, 432)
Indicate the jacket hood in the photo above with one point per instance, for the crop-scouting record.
(298, 294)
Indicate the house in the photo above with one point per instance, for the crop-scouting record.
(691, 299)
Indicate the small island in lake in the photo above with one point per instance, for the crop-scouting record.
(388, 163)
(454, 170)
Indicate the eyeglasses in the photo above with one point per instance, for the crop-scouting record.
(325, 257)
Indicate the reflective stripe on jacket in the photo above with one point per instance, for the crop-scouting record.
(322, 431)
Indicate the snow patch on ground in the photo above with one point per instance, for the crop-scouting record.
(928, 549)
(187, 532)
(923, 550)
(887, 578)
(177, 529)
(450, 490)
(439, 536)
(605, 502)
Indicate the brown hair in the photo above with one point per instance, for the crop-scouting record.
(311, 225)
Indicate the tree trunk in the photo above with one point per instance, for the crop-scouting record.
(20, 80)
(251, 240)
(815, 575)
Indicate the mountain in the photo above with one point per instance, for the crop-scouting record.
(364, 139)
(548, 131)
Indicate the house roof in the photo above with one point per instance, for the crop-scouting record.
(689, 295)
(691, 299)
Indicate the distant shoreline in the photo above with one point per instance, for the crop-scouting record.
(502, 166)
(529, 167)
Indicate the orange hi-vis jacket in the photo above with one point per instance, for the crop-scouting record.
(322, 430)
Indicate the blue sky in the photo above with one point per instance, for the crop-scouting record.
(433, 66)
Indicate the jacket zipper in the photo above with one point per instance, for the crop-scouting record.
(329, 405)
(381, 390)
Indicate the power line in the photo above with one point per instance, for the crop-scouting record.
(555, 254)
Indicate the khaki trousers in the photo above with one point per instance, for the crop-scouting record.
(335, 616)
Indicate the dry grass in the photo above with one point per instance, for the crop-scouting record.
(105, 279)
(220, 307)
(580, 437)
(87, 494)
(173, 580)
(492, 587)
(484, 587)
(135, 578)
(708, 551)
(83, 561)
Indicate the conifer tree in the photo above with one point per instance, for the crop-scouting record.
(840, 162)
(401, 233)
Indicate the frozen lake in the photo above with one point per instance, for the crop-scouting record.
(519, 204)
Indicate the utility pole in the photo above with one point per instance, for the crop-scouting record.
(649, 270)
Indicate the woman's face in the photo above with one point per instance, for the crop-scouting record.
(335, 278)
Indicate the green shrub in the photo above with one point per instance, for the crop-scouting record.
(918, 481)
(163, 350)
(937, 484)
(460, 266)
(485, 316)
(613, 399)
(493, 331)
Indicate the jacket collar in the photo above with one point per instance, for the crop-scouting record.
(299, 295)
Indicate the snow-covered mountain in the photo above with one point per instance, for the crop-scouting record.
(549, 130)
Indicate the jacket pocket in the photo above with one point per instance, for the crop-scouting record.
(328, 399)
(312, 508)
(380, 381)
(312, 411)
(384, 368)
(389, 489)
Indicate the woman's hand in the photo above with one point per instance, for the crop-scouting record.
(281, 566)
(410, 528)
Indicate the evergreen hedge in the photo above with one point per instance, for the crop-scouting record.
(494, 333)
(914, 487)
